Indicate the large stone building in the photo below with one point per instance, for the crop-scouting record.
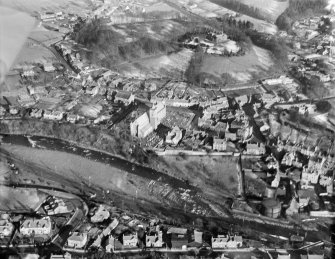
(223, 241)
(77, 240)
(157, 113)
(33, 226)
(130, 241)
(145, 124)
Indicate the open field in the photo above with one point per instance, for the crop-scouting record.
(159, 7)
(14, 29)
(270, 8)
(205, 171)
(144, 186)
(11, 83)
(45, 36)
(159, 30)
(20, 199)
(33, 53)
(33, 6)
(210, 10)
(243, 68)
(331, 5)
(167, 65)
(259, 25)
(77, 168)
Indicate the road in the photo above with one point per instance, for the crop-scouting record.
(305, 101)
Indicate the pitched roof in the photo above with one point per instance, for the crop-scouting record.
(130, 237)
(123, 95)
(76, 236)
(179, 231)
(194, 244)
(220, 238)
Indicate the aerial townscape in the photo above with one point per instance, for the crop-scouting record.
(167, 129)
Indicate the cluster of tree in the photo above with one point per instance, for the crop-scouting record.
(243, 25)
(114, 142)
(192, 74)
(239, 31)
(299, 9)
(87, 33)
(236, 29)
(275, 45)
(244, 31)
(325, 25)
(312, 87)
(107, 46)
(241, 8)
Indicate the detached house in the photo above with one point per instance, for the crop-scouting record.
(32, 226)
(155, 240)
(77, 240)
(223, 241)
(124, 97)
(130, 241)
(6, 228)
(179, 238)
(219, 144)
(53, 115)
(255, 149)
(174, 136)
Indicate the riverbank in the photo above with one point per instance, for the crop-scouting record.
(121, 145)
(166, 208)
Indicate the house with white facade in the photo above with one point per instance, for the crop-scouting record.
(130, 241)
(228, 241)
(77, 240)
(154, 240)
(6, 228)
(35, 226)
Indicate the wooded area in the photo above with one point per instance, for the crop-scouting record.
(299, 9)
(108, 47)
(241, 8)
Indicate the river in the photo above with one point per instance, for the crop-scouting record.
(64, 146)
(114, 161)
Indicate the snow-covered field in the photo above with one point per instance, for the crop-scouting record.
(331, 5)
(173, 65)
(260, 25)
(241, 68)
(14, 29)
(271, 8)
(33, 53)
(178, 61)
(208, 9)
(33, 6)
(160, 30)
(45, 36)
